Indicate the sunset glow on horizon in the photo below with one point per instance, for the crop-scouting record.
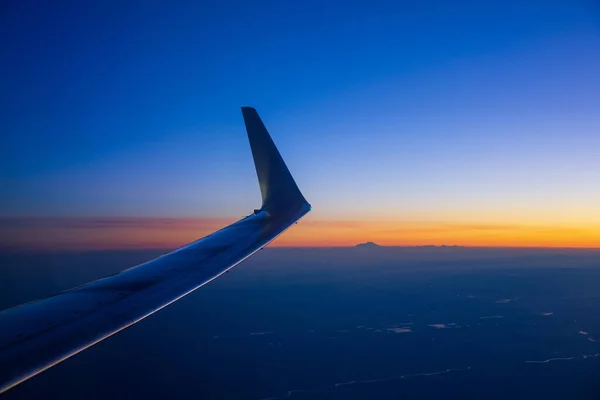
(169, 233)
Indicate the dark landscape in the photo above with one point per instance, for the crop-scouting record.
(340, 323)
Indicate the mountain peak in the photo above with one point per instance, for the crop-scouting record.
(368, 245)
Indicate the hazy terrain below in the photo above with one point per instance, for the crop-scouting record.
(359, 323)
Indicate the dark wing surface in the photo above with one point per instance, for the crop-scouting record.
(37, 335)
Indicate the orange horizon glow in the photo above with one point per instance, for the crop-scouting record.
(162, 233)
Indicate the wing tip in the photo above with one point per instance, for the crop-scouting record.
(278, 188)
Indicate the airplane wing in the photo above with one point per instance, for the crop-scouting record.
(37, 335)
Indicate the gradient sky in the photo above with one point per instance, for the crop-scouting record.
(474, 123)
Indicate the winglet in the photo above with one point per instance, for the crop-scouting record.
(277, 186)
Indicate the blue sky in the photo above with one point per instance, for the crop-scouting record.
(428, 111)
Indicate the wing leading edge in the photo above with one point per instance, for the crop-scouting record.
(37, 335)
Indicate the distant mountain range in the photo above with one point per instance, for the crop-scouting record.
(372, 245)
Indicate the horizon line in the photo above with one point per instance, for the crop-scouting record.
(287, 247)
